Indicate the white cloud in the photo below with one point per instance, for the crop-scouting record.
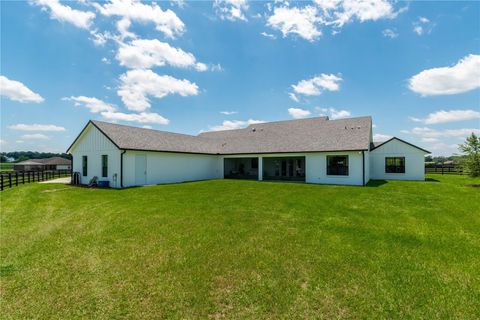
(228, 113)
(390, 33)
(333, 113)
(63, 13)
(268, 35)
(462, 77)
(144, 54)
(137, 85)
(423, 26)
(106, 60)
(298, 21)
(298, 113)
(142, 117)
(36, 127)
(234, 124)
(135, 11)
(307, 21)
(3, 141)
(381, 137)
(17, 91)
(426, 132)
(443, 116)
(93, 104)
(216, 67)
(292, 96)
(231, 9)
(35, 136)
(316, 85)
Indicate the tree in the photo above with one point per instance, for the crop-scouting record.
(471, 149)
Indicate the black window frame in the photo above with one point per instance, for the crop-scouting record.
(394, 166)
(84, 166)
(104, 165)
(337, 170)
(254, 163)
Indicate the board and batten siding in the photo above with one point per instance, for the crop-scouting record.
(169, 167)
(93, 144)
(414, 161)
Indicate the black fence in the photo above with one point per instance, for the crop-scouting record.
(13, 179)
(444, 168)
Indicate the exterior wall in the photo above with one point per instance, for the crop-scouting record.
(414, 161)
(316, 166)
(168, 167)
(93, 144)
(63, 167)
(367, 166)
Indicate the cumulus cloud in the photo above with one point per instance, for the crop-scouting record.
(137, 85)
(143, 53)
(36, 127)
(142, 117)
(306, 21)
(333, 113)
(381, 137)
(422, 26)
(64, 13)
(298, 113)
(17, 91)
(35, 136)
(390, 33)
(228, 113)
(93, 104)
(268, 35)
(234, 124)
(129, 11)
(299, 21)
(318, 84)
(462, 77)
(443, 116)
(231, 9)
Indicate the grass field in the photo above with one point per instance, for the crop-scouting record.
(242, 249)
(6, 166)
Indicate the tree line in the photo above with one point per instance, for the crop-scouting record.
(18, 156)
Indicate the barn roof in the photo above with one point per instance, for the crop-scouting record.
(303, 135)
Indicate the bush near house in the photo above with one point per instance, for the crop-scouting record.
(242, 249)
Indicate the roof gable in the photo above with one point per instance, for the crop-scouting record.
(376, 145)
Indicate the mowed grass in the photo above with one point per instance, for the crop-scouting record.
(242, 249)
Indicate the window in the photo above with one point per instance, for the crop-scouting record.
(337, 165)
(254, 163)
(104, 165)
(84, 166)
(395, 165)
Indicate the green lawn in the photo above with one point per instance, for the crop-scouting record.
(242, 249)
(6, 166)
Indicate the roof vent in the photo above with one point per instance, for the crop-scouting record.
(253, 129)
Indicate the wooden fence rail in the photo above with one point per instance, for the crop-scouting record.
(441, 169)
(13, 179)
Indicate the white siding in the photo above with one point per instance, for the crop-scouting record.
(93, 144)
(167, 167)
(63, 167)
(414, 161)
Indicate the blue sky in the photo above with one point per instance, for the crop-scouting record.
(194, 66)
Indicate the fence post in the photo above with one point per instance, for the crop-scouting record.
(1, 176)
(16, 178)
(23, 177)
(9, 179)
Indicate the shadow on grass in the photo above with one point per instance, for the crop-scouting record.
(376, 183)
(431, 180)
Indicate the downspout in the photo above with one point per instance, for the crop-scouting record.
(121, 168)
(363, 167)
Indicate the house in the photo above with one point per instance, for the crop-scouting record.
(313, 150)
(54, 163)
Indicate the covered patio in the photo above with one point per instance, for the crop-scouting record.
(284, 168)
(241, 168)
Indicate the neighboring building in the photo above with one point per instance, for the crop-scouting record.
(54, 163)
(313, 150)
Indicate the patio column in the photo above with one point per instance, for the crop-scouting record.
(260, 168)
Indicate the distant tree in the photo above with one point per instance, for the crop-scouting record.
(22, 158)
(471, 149)
(3, 158)
(428, 158)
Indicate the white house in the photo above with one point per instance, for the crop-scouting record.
(313, 150)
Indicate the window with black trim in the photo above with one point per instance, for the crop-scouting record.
(84, 166)
(104, 165)
(254, 163)
(394, 164)
(337, 165)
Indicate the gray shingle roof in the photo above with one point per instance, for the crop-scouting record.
(304, 135)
